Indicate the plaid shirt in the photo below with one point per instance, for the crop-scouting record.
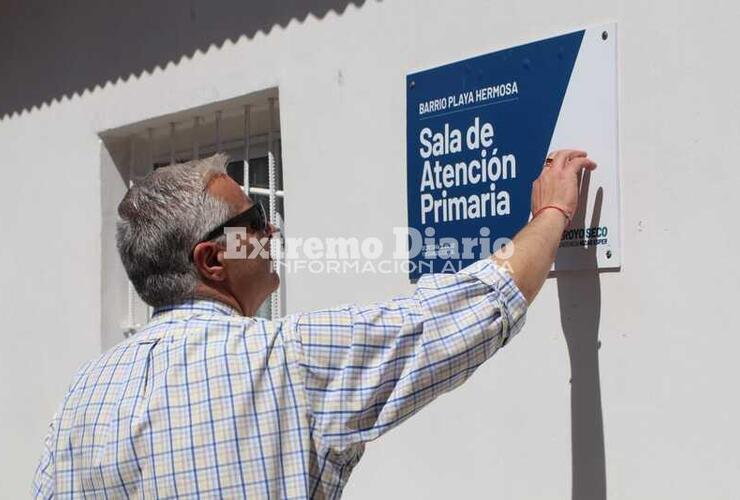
(206, 403)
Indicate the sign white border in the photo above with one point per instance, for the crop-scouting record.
(589, 120)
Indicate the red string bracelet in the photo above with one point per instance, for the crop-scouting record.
(567, 217)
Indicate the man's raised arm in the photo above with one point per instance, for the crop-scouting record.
(365, 369)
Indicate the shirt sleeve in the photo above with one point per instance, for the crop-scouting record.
(368, 368)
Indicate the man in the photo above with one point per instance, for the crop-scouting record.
(208, 401)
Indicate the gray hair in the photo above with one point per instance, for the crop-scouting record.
(162, 217)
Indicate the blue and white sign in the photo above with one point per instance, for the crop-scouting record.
(478, 132)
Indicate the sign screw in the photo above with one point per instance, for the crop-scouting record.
(608, 254)
(604, 35)
(412, 84)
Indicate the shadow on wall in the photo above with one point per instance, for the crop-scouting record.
(57, 49)
(579, 294)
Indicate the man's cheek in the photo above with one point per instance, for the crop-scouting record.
(260, 248)
(236, 246)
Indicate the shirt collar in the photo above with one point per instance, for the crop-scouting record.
(195, 307)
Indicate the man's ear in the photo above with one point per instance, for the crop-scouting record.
(208, 262)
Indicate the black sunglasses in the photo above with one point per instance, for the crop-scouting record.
(254, 219)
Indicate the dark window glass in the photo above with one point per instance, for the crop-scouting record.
(235, 169)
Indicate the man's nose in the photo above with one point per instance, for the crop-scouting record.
(272, 230)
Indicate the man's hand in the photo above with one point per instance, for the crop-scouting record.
(535, 246)
(557, 185)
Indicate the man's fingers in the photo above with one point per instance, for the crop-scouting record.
(575, 153)
(581, 163)
(563, 156)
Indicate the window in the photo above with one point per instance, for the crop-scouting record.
(247, 129)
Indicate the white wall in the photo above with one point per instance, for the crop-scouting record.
(665, 373)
